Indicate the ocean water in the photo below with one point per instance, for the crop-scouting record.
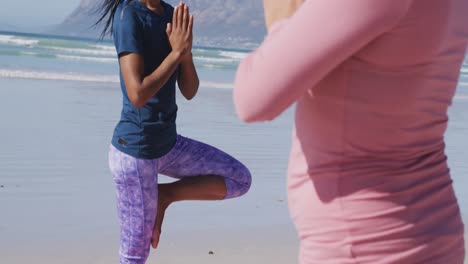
(61, 100)
(31, 56)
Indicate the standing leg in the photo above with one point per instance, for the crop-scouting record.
(137, 193)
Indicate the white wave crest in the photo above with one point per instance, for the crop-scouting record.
(214, 60)
(56, 76)
(12, 40)
(94, 52)
(83, 58)
(238, 56)
(217, 85)
(104, 47)
(29, 53)
(212, 66)
(69, 76)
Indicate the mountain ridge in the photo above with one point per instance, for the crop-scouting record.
(220, 23)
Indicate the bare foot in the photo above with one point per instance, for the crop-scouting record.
(197, 188)
(164, 201)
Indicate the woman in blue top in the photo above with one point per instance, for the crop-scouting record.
(154, 41)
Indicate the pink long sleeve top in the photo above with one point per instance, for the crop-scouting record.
(373, 79)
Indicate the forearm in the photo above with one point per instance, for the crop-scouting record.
(188, 78)
(152, 83)
(301, 51)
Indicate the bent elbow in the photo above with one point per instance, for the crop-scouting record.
(251, 119)
(137, 104)
(245, 111)
(251, 114)
(245, 115)
(136, 100)
(189, 97)
(189, 92)
(254, 117)
(250, 105)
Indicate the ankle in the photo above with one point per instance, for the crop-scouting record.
(166, 195)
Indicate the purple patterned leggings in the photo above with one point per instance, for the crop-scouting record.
(137, 188)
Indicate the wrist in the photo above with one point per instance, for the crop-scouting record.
(187, 57)
(176, 56)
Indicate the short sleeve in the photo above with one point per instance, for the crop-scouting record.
(128, 32)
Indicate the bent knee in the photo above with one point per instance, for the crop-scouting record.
(245, 178)
(240, 183)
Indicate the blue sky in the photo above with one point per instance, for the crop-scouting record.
(35, 13)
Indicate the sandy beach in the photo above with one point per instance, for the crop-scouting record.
(57, 200)
(57, 196)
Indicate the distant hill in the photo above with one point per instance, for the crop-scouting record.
(226, 23)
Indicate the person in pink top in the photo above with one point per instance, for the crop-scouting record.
(372, 80)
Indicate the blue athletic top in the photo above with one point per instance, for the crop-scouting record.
(149, 132)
